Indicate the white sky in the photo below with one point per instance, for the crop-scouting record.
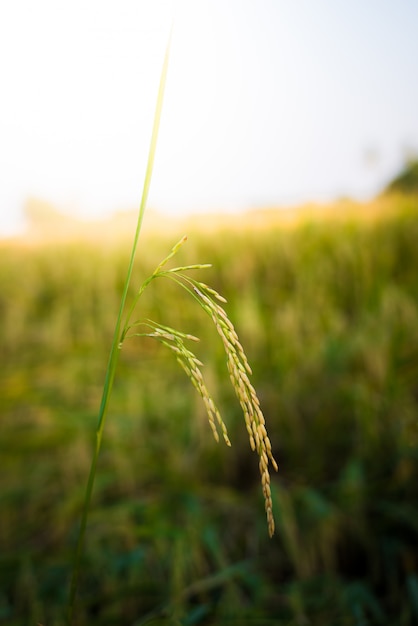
(267, 101)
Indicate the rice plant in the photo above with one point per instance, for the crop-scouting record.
(237, 363)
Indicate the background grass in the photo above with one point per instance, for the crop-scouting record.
(327, 312)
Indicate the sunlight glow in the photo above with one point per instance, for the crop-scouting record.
(266, 103)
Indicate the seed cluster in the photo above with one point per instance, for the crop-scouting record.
(239, 371)
(237, 363)
(174, 340)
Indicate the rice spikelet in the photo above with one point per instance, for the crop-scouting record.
(237, 364)
(174, 340)
(239, 371)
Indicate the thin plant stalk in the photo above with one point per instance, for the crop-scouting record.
(115, 347)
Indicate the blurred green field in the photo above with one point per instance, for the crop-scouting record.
(327, 312)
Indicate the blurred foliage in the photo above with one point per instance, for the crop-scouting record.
(328, 314)
(407, 180)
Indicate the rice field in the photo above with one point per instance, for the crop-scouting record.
(326, 307)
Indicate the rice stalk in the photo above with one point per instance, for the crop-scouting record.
(174, 340)
(116, 344)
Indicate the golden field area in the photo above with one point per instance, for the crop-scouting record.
(325, 302)
(47, 224)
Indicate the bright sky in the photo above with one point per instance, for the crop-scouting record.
(267, 101)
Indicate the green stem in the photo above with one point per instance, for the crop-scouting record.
(115, 348)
